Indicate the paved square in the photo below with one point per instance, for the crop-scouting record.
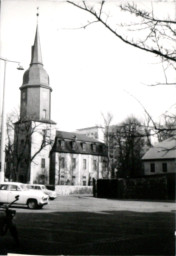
(83, 225)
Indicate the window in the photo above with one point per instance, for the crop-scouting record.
(73, 163)
(62, 162)
(62, 144)
(164, 167)
(43, 163)
(152, 167)
(84, 180)
(84, 146)
(104, 166)
(14, 188)
(3, 187)
(84, 164)
(22, 142)
(94, 148)
(94, 165)
(44, 137)
(101, 148)
(44, 114)
(74, 145)
(62, 182)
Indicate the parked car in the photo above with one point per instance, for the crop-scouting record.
(8, 191)
(52, 194)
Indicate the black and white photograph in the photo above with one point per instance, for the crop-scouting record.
(87, 127)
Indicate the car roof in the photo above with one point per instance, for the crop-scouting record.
(36, 184)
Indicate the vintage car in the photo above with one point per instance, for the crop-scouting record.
(9, 190)
(52, 194)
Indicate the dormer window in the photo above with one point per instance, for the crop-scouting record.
(94, 148)
(84, 146)
(73, 145)
(62, 144)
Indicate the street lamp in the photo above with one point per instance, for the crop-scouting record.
(3, 117)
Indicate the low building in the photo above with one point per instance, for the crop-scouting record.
(161, 158)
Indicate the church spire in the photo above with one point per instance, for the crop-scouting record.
(36, 57)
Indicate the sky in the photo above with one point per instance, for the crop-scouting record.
(91, 71)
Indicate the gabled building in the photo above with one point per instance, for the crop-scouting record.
(161, 159)
(43, 154)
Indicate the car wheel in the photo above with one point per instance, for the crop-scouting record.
(51, 198)
(32, 204)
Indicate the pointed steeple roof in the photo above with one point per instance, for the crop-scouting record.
(36, 75)
(36, 57)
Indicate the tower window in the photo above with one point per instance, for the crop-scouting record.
(44, 114)
(43, 162)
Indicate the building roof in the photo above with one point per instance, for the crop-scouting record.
(75, 143)
(75, 136)
(36, 75)
(163, 150)
(90, 128)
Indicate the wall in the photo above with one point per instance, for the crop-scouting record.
(73, 190)
(156, 187)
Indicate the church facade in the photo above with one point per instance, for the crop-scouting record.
(43, 154)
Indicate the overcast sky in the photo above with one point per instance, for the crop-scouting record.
(91, 71)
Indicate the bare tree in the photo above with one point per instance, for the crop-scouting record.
(153, 34)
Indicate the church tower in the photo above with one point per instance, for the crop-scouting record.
(35, 90)
(35, 131)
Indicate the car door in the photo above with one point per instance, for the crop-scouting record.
(14, 190)
(4, 193)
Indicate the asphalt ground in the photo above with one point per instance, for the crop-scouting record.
(84, 225)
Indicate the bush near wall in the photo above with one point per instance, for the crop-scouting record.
(148, 187)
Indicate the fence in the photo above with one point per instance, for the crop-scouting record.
(149, 187)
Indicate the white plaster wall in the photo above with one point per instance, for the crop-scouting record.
(78, 172)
